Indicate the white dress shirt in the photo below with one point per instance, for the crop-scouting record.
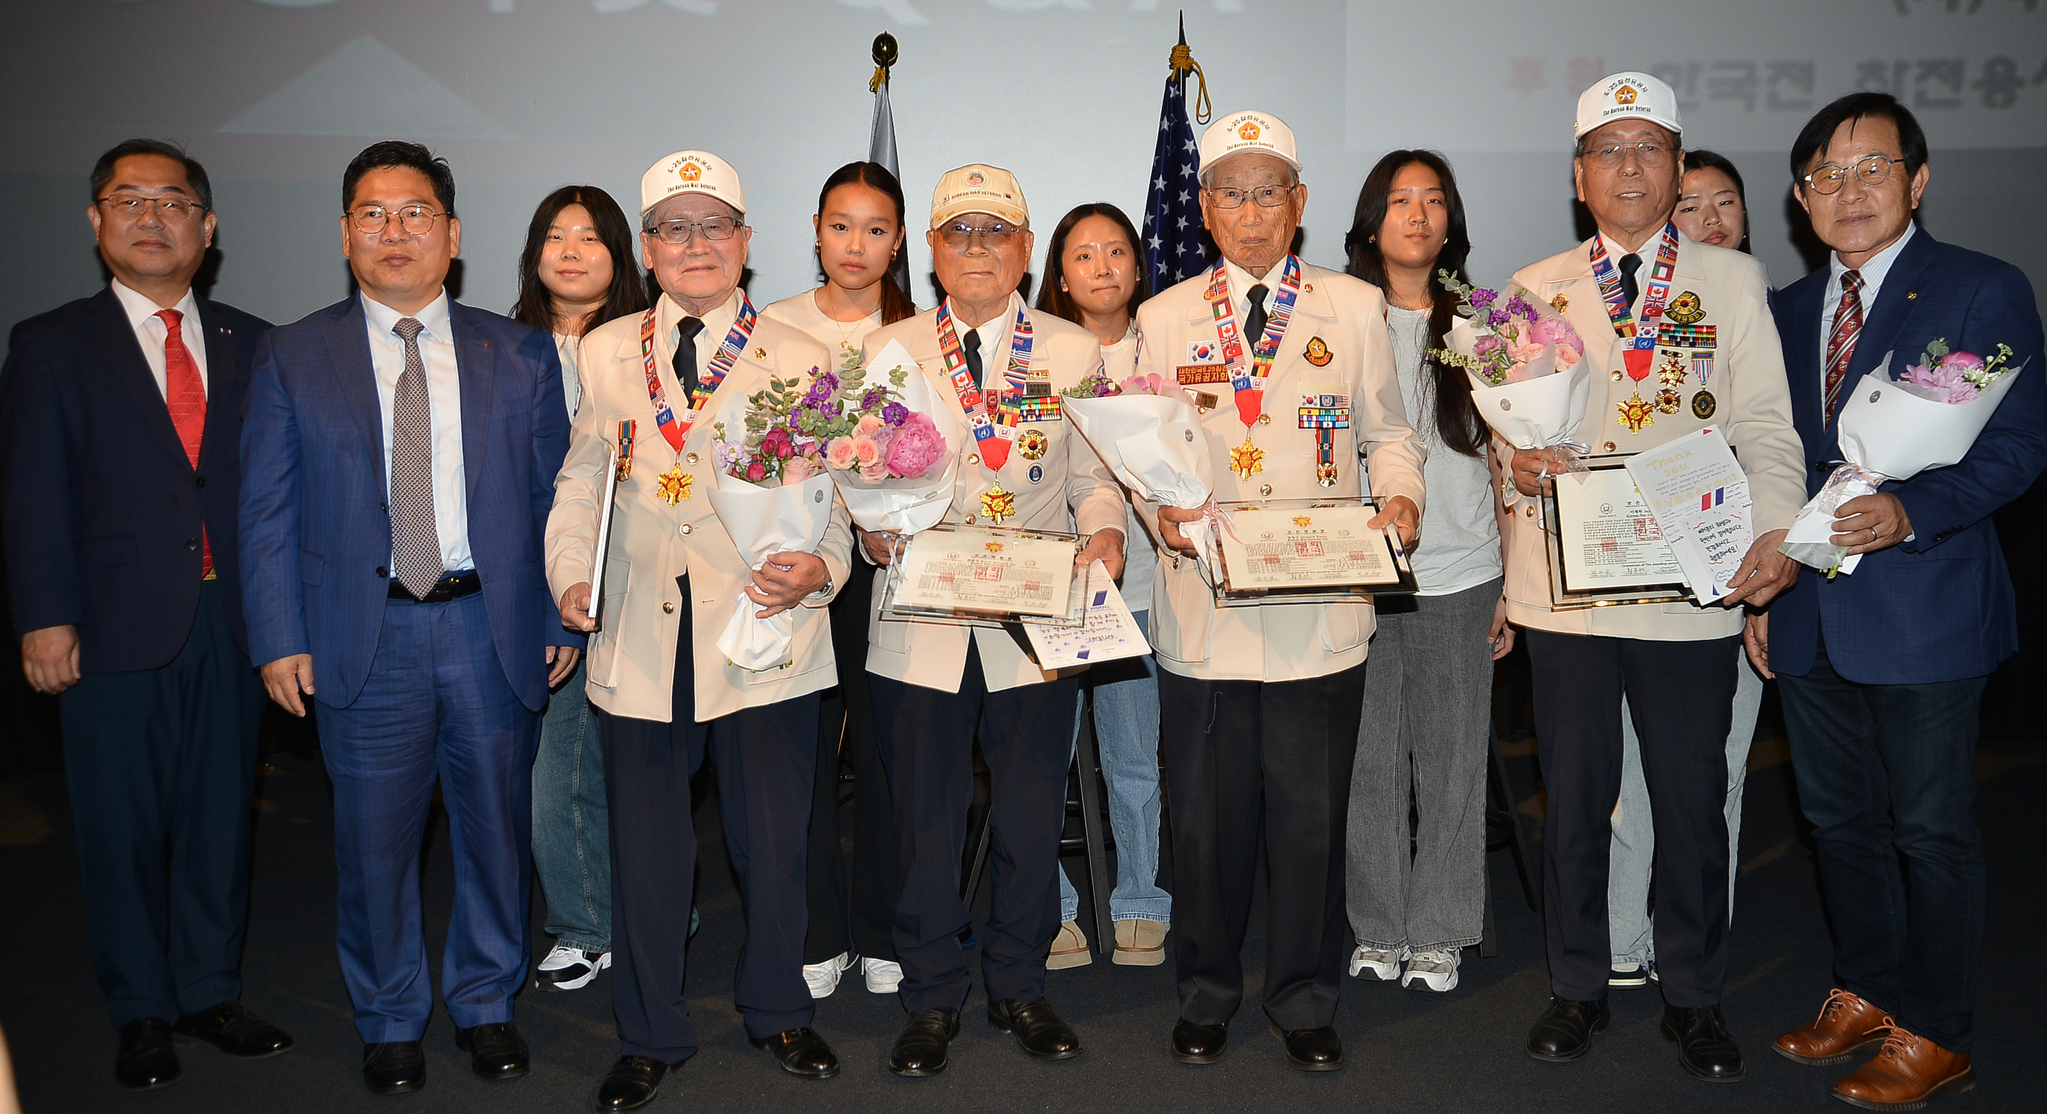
(1241, 283)
(151, 332)
(668, 326)
(1872, 273)
(444, 400)
(568, 347)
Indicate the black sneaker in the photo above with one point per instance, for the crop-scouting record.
(568, 967)
(1629, 978)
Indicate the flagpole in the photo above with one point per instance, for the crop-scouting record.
(881, 139)
(1173, 245)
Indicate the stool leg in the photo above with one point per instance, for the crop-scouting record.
(1489, 937)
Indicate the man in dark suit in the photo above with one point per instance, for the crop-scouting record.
(121, 561)
(1882, 670)
(401, 451)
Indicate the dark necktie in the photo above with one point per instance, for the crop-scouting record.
(1629, 265)
(1254, 320)
(685, 362)
(972, 347)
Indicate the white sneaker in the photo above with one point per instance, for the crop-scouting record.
(882, 975)
(568, 967)
(824, 977)
(1376, 963)
(1435, 970)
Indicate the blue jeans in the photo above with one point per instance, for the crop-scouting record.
(1127, 733)
(571, 840)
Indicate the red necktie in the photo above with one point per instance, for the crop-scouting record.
(1841, 338)
(185, 394)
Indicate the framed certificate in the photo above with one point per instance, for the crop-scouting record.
(1306, 551)
(603, 537)
(1604, 545)
(982, 574)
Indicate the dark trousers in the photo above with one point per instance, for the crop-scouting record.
(766, 766)
(1681, 698)
(160, 764)
(1241, 755)
(1027, 738)
(435, 708)
(1887, 773)
(851, 910)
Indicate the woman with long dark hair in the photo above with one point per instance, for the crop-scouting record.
(576, 273)
(1094, 277)
(859, 229)
(1428, 683)
(1712, 206)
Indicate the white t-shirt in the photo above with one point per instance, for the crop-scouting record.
(1140, 559)
(1459, 547)
(801, 312)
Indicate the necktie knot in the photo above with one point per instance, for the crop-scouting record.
(1256, 298)
(173, 319)
(1851, 282)
(690, 327)
(409, 328)
(972, 349)
(1630, 264)
(1255, 318)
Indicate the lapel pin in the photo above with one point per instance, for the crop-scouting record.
(1911, 295)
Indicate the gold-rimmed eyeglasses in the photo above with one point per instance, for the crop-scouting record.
(416, 220)
(1870, 170)
(132, 206)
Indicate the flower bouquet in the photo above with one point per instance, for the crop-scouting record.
(1151, 440)
(889, 447)
(1894, 430)
(1529, 378)
(773, 495)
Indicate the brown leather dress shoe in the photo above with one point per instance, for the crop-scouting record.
(1909, 1072)
(1846, 1023)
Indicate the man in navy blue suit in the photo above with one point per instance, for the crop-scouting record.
(121, 415)
(1882, 670)
(401, 451)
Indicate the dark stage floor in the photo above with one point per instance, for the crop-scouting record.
(1407, 1050)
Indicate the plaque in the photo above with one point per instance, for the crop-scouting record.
(982, 575)
(1605, 548)
(1306, 551)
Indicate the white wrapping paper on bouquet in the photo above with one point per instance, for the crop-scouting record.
(907, 505)
(1540, 412)
(1154, 445)
(763, 521)
(1888, 431)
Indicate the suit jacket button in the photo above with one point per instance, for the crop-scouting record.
(685, 527)
(1264, 489)
(1264, 419)
(1608, 447)
(191, 543)
(201, 481)
(1528, 511)
(690, 459)
(383, 572)
(973, 458)
(668, 607)
(970, 520)
(1616, 377)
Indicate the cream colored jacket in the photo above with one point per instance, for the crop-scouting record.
(632, 654)
(1751, 406)
(1068, 488)
(1280, 641)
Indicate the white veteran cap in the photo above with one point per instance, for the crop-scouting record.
(690, 172)
(978, 188)
(1627, 95)
(1248, 131)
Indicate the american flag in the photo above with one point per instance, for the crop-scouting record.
(1173, 247)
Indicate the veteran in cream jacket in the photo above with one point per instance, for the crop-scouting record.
(1724, 368)
(1334, 354)
(653, 542)
(1057, 481)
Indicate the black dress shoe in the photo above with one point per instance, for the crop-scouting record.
(920, 1047)
(631, 1083)
(393, 1067)
(1199, 1044)
(1311, 1049)
(1564, 1031)
(146, 1060)
(1038, 1030)
(801, 1052)
(235, 1031)
(496, 1051)
(1705, 1049)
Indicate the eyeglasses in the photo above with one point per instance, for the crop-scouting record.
(1652, 156)
(681, 231)
(1870, 170)
(1267, 197)
(959, 235)
(416, 220)
(131, 206)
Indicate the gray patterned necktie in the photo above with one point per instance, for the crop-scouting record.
(416, 545)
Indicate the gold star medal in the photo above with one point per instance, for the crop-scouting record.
(1247, 459)
(1635, 413)
(1668, 401)
(675, 485)
(997, 504)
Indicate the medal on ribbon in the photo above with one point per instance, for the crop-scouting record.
(997, 504)
(675, 485)
(1247, 459)
(627, 429)
(1636, 413)
(1247, 376)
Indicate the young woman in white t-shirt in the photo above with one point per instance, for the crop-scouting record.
(1095, 278)
(576, 273)
(859, 227)
(1429, 677)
